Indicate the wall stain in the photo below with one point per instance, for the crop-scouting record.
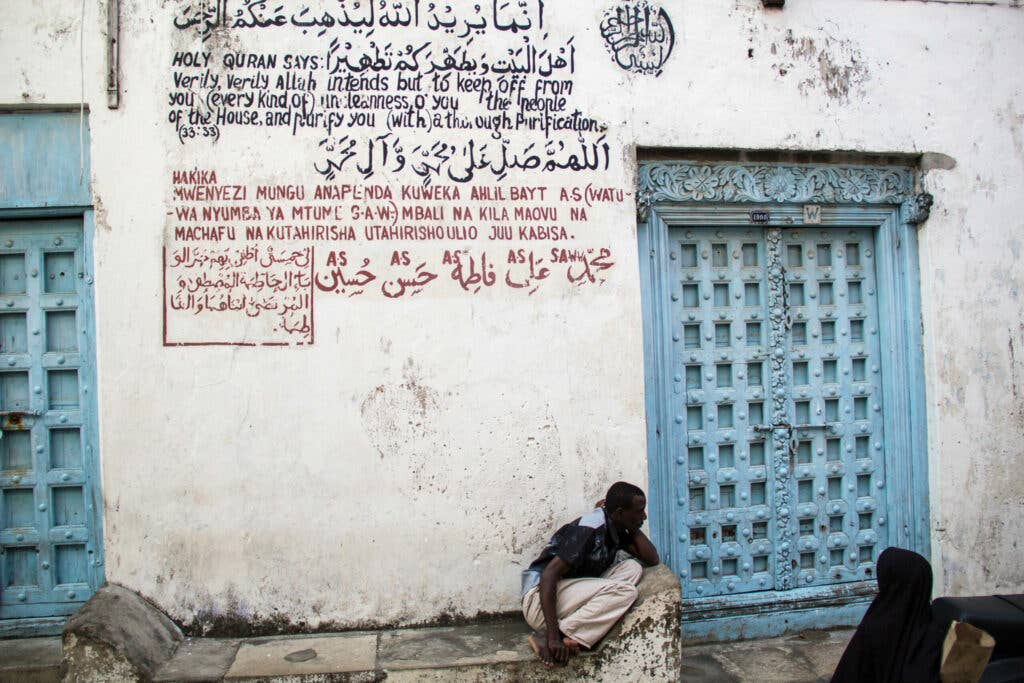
(831, 65)
(100, 217)
(219, 623)
(28, 94)
(1015, 123)
(841, 68)
(398, 419)
(61, 30)
(1013, 366)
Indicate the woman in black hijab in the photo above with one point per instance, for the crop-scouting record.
(898, 640)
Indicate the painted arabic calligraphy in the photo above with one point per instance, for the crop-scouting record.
(206, 16)
(639, 36)
(493, 159)
(252, 281)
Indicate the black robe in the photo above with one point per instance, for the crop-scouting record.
(898, 639)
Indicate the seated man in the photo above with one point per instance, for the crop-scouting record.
(574, 592)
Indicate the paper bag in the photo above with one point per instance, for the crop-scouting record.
(965, 653)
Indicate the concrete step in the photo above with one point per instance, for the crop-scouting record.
(30, 660)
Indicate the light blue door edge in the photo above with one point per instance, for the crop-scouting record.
(92, 447)
(710, 194)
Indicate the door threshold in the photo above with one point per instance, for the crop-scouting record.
(774, 613)
(31, 627)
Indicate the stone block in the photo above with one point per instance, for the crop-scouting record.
(444, 647)
(343, 657)
(199, 660)
(117, 636)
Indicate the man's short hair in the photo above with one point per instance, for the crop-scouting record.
(621, 495)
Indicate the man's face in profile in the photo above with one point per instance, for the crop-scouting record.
(633, 517)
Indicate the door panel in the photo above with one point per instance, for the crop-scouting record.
(778, 400)
(835, 404)
(48, 532)
(720, 312)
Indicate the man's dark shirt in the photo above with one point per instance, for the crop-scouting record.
(588, 545)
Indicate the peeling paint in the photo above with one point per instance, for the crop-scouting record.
(101, 219)
(840, 67)
(397, 420)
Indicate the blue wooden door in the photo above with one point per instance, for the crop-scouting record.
(777, 392)
(50, 559)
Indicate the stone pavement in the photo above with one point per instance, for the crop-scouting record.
(807, 657)
(426, 654)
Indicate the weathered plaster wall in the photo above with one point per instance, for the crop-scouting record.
(410, 461)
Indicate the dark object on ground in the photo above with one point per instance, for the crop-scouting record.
(301, 655)
(1002, 617)
(898, 640)
(1004, 671)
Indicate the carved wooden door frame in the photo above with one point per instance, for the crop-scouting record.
(885, 199)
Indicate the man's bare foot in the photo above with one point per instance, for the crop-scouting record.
(573, 645)
(539, 644)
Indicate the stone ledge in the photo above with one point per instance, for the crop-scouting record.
(30, 660)
(120, 638)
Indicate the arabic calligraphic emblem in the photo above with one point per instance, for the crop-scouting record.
(639, 36)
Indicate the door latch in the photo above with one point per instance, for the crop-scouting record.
(12, 418)
(771, 428)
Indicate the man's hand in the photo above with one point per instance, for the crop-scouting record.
(557, 652)
(556, 647)
(642, 549)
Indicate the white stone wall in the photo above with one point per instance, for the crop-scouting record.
(409, 457)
